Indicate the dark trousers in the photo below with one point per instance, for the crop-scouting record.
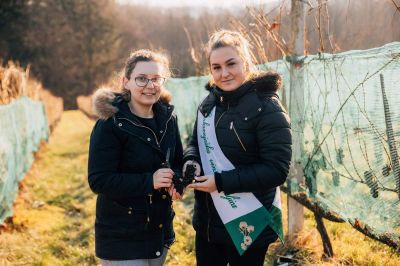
(210, 254)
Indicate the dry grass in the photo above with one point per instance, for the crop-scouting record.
(349, 246)
(54, 216)
(12, 80)
(54, 107)
(15, 82)
(85, 105)
(183, 250)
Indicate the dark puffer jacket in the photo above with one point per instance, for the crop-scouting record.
(133, 221)
(253, 131)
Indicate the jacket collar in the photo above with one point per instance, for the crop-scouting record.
(162, 111)
(128, 122)
(231, 97)
(107, 103)
(250, 95)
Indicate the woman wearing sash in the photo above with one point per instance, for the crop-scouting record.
(135, 149)
(241, 145)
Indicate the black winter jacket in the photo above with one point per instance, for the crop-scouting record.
(133, 221)
(253, 131)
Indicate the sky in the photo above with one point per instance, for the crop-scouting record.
(198, 3)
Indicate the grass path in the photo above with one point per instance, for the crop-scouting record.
(54, 216)
(54, 213)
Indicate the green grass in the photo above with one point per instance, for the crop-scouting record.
(54, 216)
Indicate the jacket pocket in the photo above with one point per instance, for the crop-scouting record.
(114, 220)
(107, 208)
(232, 128)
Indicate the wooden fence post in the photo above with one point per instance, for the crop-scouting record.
(296, 112)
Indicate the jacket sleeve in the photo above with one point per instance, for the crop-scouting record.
(274, 142)
(192, 150)
(104, 158)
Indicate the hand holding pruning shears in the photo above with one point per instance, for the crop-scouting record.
(163, 179)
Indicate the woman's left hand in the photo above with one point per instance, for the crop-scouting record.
(204, 183)
(174, 195)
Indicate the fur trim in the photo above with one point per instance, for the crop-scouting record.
(267, 82)
(104, 98)
(165, 96)
(102, 103)
(263, 82)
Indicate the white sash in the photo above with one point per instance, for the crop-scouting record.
(242, 213)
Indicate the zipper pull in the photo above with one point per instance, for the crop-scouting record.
(221, 98)
(150, 198)
(231, 127)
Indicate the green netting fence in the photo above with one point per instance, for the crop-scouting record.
(23, 125)
(349, 112)
(350, 135)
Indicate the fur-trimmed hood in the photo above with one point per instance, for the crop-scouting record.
(267, 82)
(263, 82)
(249, 94)
(102, 103)
(105, 101)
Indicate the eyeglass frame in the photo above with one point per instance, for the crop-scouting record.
(152, 81)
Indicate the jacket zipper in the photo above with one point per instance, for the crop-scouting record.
(237, 135)
(158, 144)
(148, 211)
(216, 124)
(154, 134)
(165, 130)
(138, 125)
(151, 202)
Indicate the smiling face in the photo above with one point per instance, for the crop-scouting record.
(227, 68)
(148, 95)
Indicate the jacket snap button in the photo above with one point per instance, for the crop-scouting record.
(161, 225)
(259, 109)
(148, 139)
(129, 212)
(245, 118)
(161, 131)
(120, 124)
(158, 253)
(164, 196)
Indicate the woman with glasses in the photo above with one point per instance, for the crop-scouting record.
(242, 140)
(135, 149)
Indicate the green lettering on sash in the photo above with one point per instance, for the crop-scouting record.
(204, 137)
(231, 200)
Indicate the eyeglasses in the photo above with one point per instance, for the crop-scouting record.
(143, 81)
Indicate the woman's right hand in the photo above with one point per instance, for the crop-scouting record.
(162, 178)
(196, 165)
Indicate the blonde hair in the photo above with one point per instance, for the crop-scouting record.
(145, 55)
(234, 39)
